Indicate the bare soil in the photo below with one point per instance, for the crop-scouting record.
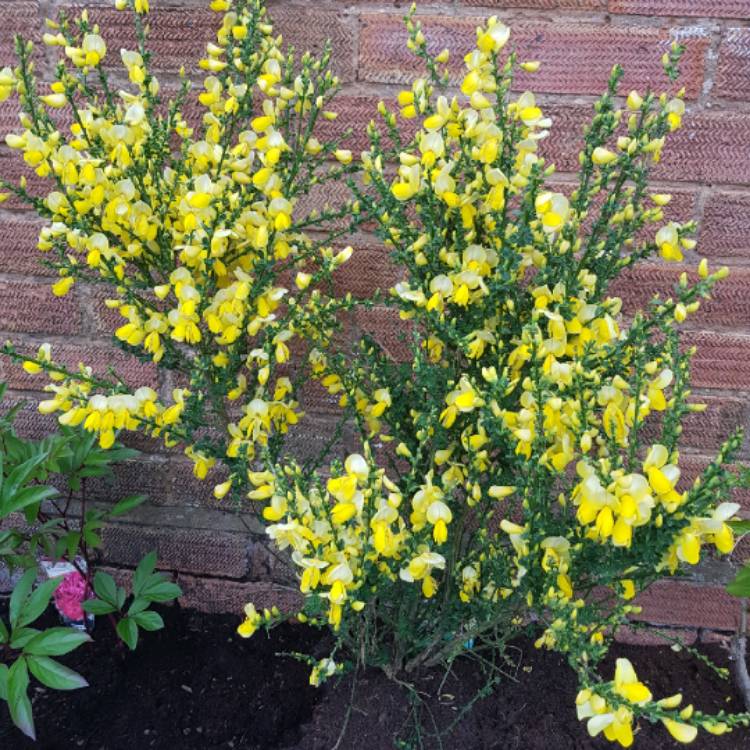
(197, 686)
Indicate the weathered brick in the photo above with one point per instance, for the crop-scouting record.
(710, 147)
(268, 564)
(708, 430)
(99, 358)
(19, 17)
(213, 595)
(539, 4)
(201, 551)
(694, 8)
(179, 34)
(729, 305)
(577, 57)
(704, 431)
(145, 475)
(12, 169)
(29, 423)
(693, 465)
(18, 251)
(30, 307)
(330, 196)
(723, 230)
(655, 636)
(671, 602)
(722, 360)
(384, 325)
(8, 580)
(370, 268)
(732, 80)
(185, 489)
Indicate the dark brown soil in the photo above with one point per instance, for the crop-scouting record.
(196, 686)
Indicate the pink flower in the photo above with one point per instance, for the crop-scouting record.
(70, 594)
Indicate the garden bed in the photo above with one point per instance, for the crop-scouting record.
(196, 685)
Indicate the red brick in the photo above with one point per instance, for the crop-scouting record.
(732, 79)
(144, 475)
(695, 8)
(190, 550)
(687, 604)
(721, 639)
(308, 28)
(18, 251)
(99, 358)
(539, 4)
(330, 196)
(722, 360)
(100, 318)
(354, 113)
(709, 429)
(692, 465)
(704, 431)
(729, 306)
(577, 58)
(30, 307)
(12, 169)
(29, 423)
(269, 565)
(179, 35)
(710, 147)
(384, 325)
(723, 230)
(370, 268)
(655, 636)
(186, 490)
(218, 596)
(312, 440)
(19, 17)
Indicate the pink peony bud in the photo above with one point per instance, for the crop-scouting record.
(70, 595)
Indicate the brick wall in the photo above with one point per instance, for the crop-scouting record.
(215, 553)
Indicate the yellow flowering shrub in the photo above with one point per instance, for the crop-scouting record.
(194, 230)
(522, 466)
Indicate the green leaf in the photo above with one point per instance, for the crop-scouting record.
(4, 634)
(29, 496)
(98, 607)
(21, 636)
(127, 504)
(120, 453)
(37, 602)
(143, 572)
(20, 593)
(18, 700)
(21, 474)
(56, 642)
(138, 605)
(740, 586)
(105, 587)
(149, 620)
(55, 675)
(3, 682)
(122, 595)
(741, 526)
(93, 540)
(128, 632)
(93, 472)
(161, 591)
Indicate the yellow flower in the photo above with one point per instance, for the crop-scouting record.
(94, 49)
(63, 286)
(253, 620)
(684, 733)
